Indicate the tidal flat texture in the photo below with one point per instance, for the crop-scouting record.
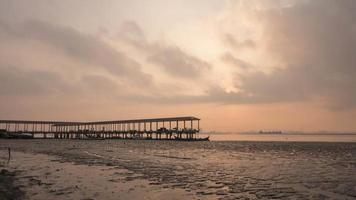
(118, 169)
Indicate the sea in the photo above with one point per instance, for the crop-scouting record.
(231, 166)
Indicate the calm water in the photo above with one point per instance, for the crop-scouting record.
(221, 169)
(285, 137)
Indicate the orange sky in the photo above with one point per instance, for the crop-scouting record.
(239, 65)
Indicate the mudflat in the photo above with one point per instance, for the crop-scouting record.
(74, 169)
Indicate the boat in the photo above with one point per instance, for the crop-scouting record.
(16, 135)
(93, 137)
(203, 139)
(270, 132)
(192, 139)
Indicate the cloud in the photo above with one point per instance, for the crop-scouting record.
(86, 48)
(130, 30)
(315, 42)
(230, 59)
(175, 61)
(49, 59)
(234, 43)
(40, 60)
(312, 42)
(100, 84)
(18, 81)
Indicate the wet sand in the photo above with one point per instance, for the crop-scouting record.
(8, 188)
(41, 176)
(59, 169)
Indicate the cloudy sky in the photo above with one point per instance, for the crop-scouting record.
(237, 64)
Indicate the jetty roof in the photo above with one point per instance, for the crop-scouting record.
(146, 120)
(34, 122)
(63, 123)
(190, 118)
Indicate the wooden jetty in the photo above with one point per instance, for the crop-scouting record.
(174, 128)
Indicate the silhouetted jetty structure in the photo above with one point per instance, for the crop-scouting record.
(174, 128)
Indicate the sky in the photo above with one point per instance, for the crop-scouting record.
(239, 65)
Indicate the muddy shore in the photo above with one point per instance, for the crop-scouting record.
(41, 177)
(8, 188)
(71, 169)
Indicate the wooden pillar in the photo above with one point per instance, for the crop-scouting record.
(55, 132)
(124, 132)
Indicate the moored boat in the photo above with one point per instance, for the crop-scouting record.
(192, 139)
